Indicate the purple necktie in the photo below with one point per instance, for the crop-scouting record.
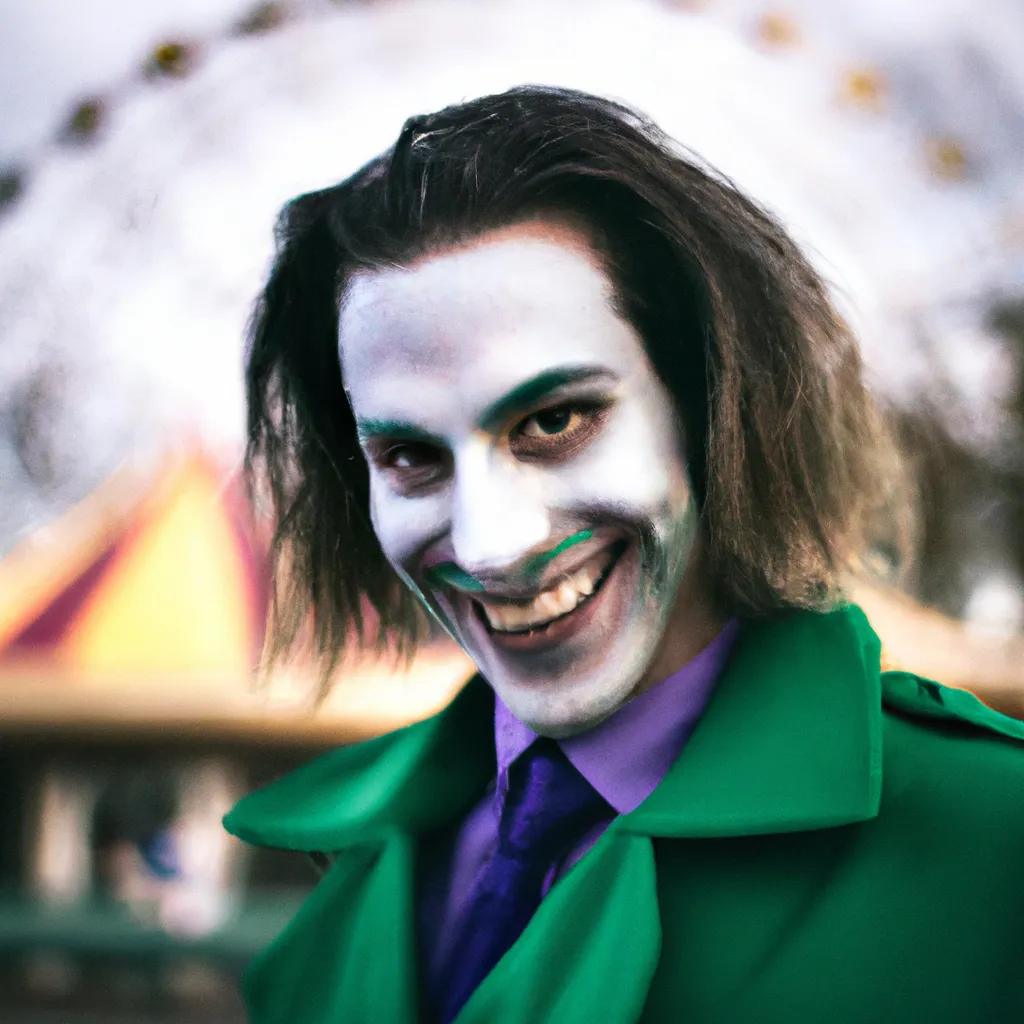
(549, 807)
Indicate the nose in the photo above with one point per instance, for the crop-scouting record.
(498, 513)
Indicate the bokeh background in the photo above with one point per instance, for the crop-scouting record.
(144, 151)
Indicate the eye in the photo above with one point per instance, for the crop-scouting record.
(408, 456)
(559, 431)
(411, 465)
(551, 422)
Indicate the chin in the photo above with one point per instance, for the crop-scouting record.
(563, 711)
(573, 702)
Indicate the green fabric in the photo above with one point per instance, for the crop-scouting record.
(832, 845)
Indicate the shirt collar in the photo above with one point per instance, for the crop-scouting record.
(626, 757)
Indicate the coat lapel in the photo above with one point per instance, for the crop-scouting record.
(349, 955)
(791, 741)
(589, 952)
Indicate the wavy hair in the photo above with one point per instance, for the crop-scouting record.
(790, 461)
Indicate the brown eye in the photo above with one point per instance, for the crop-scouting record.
(558, 432)
(407, 456)
(411, 465)
(551, 421)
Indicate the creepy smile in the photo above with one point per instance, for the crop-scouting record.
(553, 615)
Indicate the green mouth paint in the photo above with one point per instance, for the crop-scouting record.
(538, 562)
(449, 573)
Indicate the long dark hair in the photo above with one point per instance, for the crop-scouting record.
(789, 459)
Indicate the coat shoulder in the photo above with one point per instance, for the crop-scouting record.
(931, 702)
(949, 758)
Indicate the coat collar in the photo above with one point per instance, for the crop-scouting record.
(790, 741)
(413, 779)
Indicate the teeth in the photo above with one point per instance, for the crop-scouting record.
(509, 617)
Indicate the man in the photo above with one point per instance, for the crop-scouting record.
(537, 372)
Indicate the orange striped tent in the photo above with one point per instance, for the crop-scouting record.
(144, 607)
(143, 580)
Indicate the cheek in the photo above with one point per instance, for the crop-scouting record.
(404, 527)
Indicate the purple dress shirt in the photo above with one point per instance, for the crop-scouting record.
(624, 759)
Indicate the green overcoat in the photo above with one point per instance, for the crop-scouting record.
(835, 845)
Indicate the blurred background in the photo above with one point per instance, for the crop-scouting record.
(144, 151)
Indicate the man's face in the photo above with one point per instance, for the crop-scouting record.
(527, 473)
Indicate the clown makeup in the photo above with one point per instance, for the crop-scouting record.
(527, 469)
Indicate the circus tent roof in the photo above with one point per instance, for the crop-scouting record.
(170, 584)
(144, 606)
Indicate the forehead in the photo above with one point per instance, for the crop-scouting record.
(466, 324)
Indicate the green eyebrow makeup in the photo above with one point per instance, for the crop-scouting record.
(397, 429)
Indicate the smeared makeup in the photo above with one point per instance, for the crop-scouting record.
(537, 563)
(449, 573)
(527, 468)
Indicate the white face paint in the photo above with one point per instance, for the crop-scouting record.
(527, 473)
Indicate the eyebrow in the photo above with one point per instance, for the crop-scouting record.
(400, 430)
(522, 396)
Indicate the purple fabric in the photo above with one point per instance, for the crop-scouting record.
(548, 805)
(624, 759)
